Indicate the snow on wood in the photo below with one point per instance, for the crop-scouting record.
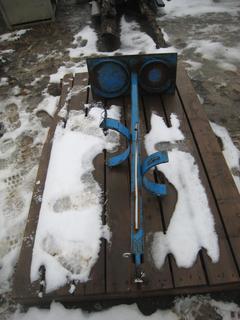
(70, 227)
(192, 226)
(230, 152)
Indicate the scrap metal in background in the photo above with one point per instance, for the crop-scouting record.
(106, 13)
(19, 13)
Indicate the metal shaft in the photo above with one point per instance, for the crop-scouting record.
(135, 150)
(136, 178)
(136, 181)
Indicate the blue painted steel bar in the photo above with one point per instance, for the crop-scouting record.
(148, 163)
(137, 233)
(113, 124)
(134, 123)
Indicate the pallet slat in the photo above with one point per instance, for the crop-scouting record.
(182, 277)
(118, 278)
(220, 179)
(154, 278)
(96, 284)
(22, 285)
(226, 262)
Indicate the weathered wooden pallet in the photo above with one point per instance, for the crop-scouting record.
(111, 277)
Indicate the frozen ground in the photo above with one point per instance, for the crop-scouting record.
(206, 35)
(195, 308)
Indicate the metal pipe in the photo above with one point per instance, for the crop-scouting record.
(136, 180)
(135, 150)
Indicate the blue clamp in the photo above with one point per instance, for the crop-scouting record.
(113, 124)
(150, 162)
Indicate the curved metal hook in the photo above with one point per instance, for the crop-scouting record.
(150, 162)
(113, 124)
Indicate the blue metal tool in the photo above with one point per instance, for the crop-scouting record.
(113, 77)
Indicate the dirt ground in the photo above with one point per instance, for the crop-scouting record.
(41, 51)
(219, 89)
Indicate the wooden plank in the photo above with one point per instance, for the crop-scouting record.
(79, 92)
(96, 284)
(225, 270)
(154, 279)
(220, 179)
(75, 100)
(182, 276)
(22, 285)
(118, 268)
(79, 96)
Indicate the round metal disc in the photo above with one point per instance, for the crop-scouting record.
(153, 76)
(111, 78)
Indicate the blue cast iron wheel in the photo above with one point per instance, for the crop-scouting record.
(154, 76)
(111, 78)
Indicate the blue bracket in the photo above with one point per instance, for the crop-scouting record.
(113, 124)
(148, 163)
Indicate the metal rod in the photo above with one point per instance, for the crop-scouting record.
(135, 151)
(136, 180)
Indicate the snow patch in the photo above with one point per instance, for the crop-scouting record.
(70, 227)
(134, 41)
(3, 82)
(19, 151)
(13, 36)
(192, 225)
(193, 65)
(194, 307)
(228, 310)
(36, 80)
(72, 68)
(181, 8)
(216, 51)
(230, 152)
(122, 312)
(48, 104)
(86, 34)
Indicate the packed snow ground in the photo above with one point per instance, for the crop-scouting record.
(57, 311)
(19, 152)
(25, 137)
(180, 8)
(183, 309)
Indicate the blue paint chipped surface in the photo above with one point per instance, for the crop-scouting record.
(155, 75)
(112, 77)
